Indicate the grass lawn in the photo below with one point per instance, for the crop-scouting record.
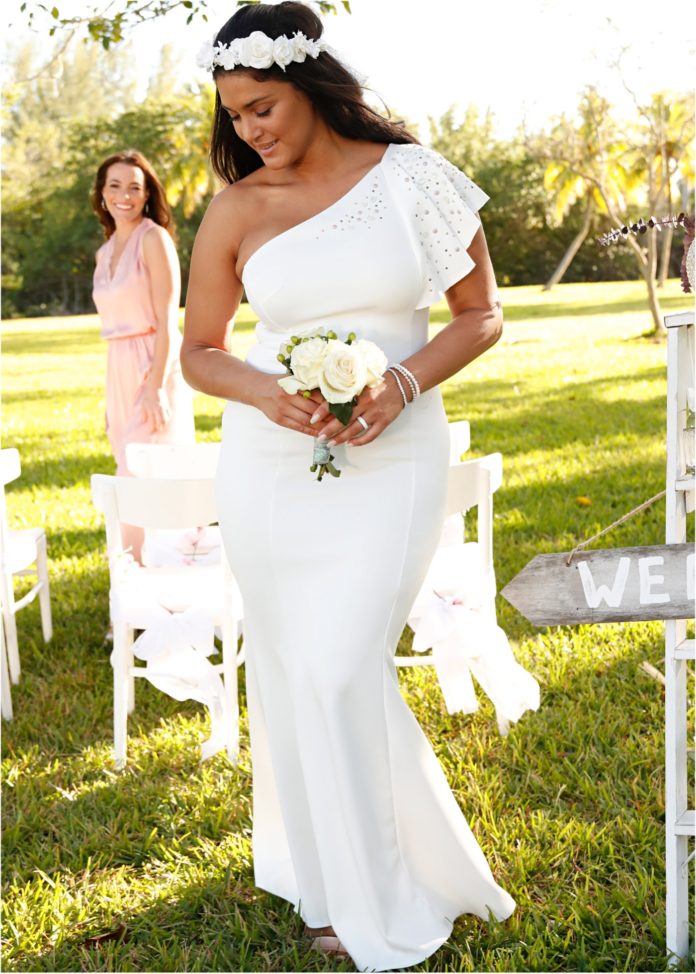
(151, 870)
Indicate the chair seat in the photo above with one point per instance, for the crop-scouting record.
(175, 589)
(20, 550)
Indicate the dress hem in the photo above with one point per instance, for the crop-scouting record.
(398, 965)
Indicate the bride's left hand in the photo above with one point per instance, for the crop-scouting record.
(378, 407)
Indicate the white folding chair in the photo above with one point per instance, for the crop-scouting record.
(471, 483)
(164, 503)
(21, 553)
(172, 459)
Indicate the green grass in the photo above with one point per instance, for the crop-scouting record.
(150, 870)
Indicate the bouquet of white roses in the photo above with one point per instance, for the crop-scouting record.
(339, 370)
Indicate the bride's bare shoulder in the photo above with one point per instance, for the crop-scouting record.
(231, 211)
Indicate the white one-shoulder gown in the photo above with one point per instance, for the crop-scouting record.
(354, 821)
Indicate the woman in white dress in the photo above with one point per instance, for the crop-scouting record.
(336, 218)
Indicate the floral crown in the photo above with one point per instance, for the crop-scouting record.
(258, 50)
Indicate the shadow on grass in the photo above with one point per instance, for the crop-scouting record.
(546, 307)
(69, 395)
(59, 470)
(579, 782)
(236, 929)
(56, 342)
(576, 309)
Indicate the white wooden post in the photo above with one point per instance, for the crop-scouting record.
(680, 820)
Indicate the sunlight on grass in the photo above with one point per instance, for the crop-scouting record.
(151, 869)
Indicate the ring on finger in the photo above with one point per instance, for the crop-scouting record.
(363, 422)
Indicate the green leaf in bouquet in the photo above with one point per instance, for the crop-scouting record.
(342, 410)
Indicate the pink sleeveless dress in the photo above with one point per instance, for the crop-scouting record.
(128, 322)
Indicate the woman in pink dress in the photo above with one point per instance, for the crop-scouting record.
(136, 291)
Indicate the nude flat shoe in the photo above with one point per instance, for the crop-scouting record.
(319, 931)
(330, 945)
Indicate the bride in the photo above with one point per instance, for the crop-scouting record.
(336, 218)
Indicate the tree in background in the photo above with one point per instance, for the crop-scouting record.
(40, 109)
(58, 131)
(109, 23)
(61, 121)
(525, 244)
(578, 155)
(667, 148)
(626, 166)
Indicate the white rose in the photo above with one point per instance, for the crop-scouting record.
(206, 56)
(291, 385)
(306, 361)
(228, 56)
(343, 373)
(257, 50)
(283, 51)
(299, 44)
(375, 361)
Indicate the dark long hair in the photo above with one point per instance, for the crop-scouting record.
(332, 89)
(157, 207)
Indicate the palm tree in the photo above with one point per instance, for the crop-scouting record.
(669, 161)
(578, 155)
(623, 168)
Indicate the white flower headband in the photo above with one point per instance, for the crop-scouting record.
(259, 51)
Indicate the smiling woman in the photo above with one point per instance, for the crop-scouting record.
(136, 291)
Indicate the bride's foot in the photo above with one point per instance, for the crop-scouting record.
(330, 945)
(325, 940)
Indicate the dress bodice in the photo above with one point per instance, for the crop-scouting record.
(124, 299)
(372, 262)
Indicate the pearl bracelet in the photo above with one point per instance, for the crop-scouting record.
(410, 378)
(399, 383)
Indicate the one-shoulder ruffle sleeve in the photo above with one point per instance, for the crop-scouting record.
(442, 204)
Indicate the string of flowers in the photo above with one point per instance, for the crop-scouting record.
(642, 226)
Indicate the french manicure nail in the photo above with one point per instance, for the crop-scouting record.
(314, 418)
(332, 442)
(321, 437)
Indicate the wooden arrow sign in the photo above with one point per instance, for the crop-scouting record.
(607, 585)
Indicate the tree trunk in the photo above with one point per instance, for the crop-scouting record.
(663, 273)
(646, 263)
(648, 268)
(577, 242)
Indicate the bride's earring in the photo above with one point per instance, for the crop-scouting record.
(103, 204)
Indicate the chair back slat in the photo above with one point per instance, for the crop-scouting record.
(172, 460)
(460, 439)
(161, 503)
(471, 481)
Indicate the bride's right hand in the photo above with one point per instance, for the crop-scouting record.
(292, 411)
